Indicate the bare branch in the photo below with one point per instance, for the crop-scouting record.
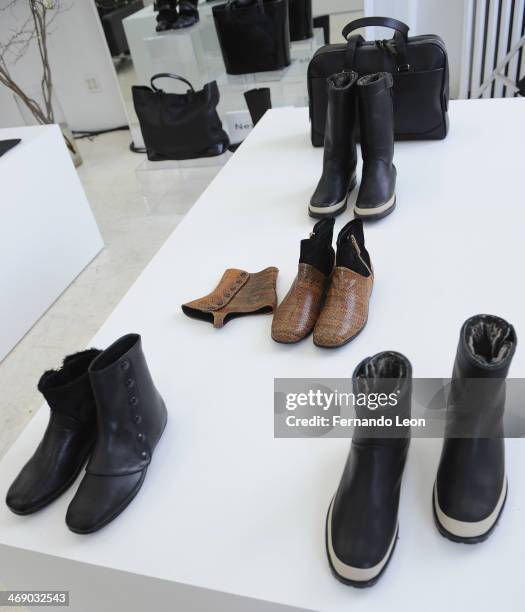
(18, 43)
(35, 29)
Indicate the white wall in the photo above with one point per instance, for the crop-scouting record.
(442, 17)
(78, 52)
(330, 7)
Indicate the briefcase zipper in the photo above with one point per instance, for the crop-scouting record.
(414, 40)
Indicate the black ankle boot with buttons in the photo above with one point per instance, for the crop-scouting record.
(131, 417)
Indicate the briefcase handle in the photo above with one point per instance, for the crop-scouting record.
(384, 22)
(397, 47)
(169, 75)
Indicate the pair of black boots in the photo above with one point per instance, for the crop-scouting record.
(105, 408)
(372, 94)
(176, 14)
(471, 485)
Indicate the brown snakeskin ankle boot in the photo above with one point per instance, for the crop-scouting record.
(345, 311)
(238, 293)
(296, 315)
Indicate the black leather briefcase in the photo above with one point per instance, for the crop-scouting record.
(419, 65)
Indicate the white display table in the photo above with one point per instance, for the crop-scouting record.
(230, 518)
(47, 234)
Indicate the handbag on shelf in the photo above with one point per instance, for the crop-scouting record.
(180, 126)
(301, 20)
(254, 35)
(419, 66)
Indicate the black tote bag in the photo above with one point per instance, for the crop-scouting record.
(254, 35)
(301, 19)
(180, 126)
(418, 64)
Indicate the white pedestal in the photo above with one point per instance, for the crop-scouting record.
(289, 86)
(47, 233)
(173, 187)
(230, 518)
(305, 49)
(193, 52)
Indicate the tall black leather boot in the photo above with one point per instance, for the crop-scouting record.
(471, 484)
(131, 419)
(362, 523)
(377, 197)
(340, 153)
(68, 439)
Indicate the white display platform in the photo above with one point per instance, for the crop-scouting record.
(288, 87)
(195, 54)
(230, 518)
(172, 186)
(47, 234)
(192, 52)
(332, 7)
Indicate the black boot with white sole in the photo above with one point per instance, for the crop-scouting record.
(362, 523)
(471, 485)
(340, 151)
(377, 197)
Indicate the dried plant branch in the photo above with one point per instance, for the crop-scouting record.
(35, 29)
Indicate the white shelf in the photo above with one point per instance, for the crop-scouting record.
(230, 518)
